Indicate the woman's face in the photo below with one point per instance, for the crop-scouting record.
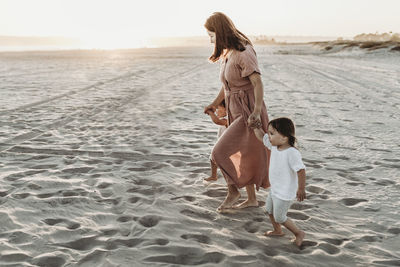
(212, 36)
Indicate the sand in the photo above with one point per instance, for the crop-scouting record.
(103, 156)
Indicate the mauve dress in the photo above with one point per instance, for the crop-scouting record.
(241, 157)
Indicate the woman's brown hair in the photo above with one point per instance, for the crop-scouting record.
(226, 35)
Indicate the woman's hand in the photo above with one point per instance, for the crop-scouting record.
(254, 120)
(211, 108)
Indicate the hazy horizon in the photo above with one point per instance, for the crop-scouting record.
(21, 42)
(107, 24)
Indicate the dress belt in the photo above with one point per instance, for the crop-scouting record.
(239, 96)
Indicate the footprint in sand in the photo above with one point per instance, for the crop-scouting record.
(242, 243)
(187, 198)
(196, 214)
(260, 219)
(124, 219)
(308, 243)
(181, 258)
(221, 192)
(298, 216)
(49, 261)
(14, 257)
(20, 195)
(328, 248)
(149, 220)
(197, 237)
(388, 262)
(133, 199)
(302, 206)
(315, 189)
(385, 182)
(355, 184)
(335, 241)
(394, 230)
(251, 227)
(369, 238)
(372, 209)
(352, 201)
(69, 224)
(85, 243)
(109, 232)
(324, 131)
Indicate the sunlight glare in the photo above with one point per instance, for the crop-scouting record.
(109, 42)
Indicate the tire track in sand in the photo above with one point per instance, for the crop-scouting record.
(13, 144)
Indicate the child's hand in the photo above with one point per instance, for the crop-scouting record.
(301, 194)
(210, 107)
(209, 112)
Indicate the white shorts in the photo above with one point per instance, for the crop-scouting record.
(277, 207)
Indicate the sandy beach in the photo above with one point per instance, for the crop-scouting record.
(103, 156)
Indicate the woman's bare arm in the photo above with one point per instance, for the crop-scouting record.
(255, 117)
(256, 81)
(216, 101)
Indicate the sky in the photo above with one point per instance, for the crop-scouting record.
(132, 21)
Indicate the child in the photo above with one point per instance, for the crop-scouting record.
(286, 174)
(219, 119)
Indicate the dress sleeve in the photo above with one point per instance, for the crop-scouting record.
(295, 160)
(266, 141)
(248, 62)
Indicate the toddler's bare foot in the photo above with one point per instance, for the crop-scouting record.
(299, 238)
(274, 233)
(247, 204)
(211, 178)
(229, 201)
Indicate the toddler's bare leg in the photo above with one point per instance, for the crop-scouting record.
(213, 176)
(299, 234)
(277, 228)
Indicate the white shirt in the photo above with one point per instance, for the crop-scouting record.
(283, 168)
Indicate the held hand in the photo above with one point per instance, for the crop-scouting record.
(209, 112)
(301, 194)
(210, 107)
(254, 120)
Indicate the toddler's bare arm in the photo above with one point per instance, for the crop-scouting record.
(301, 191)
(259, 133)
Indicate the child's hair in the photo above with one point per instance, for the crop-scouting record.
(285, 127)
(222, 103)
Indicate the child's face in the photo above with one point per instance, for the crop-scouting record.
(275, 137)
(221, 111)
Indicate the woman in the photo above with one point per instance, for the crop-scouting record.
(238, 153)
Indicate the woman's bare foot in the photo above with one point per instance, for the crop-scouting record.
(247, 203)
(274, 233)
(299, 238)
(211, 178)
(230, 199)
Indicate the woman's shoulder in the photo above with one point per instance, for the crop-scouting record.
(248, 48)
(247, 55)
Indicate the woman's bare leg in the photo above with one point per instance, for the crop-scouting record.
(231, 198)
(251, 198)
